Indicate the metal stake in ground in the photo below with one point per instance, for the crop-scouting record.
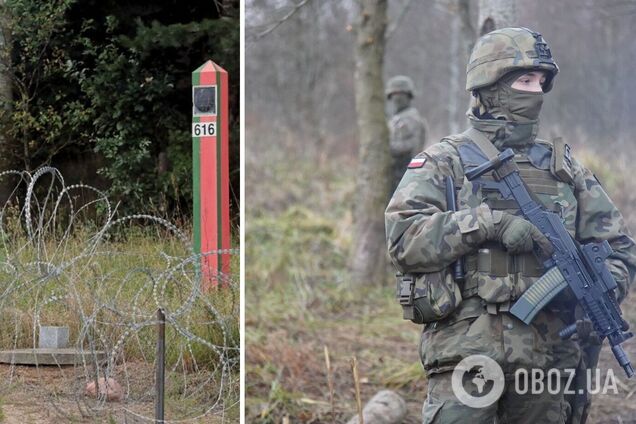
(161, 366)
(210, 142)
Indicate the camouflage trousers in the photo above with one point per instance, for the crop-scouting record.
(443, 407)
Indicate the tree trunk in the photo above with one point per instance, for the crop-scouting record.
(454, 65)
(494, 14)
(368, 254)
(6, 97)
(463, 47)
(462, 42)
(467, 28)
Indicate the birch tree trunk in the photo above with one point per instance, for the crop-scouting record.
(494, 14)
(368, 253)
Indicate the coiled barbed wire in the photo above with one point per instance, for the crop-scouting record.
(62, 262)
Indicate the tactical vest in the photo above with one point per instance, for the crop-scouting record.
(492, 273)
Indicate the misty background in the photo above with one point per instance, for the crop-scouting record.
(299, 77)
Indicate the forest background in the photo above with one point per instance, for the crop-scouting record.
(303, 160)
(102, 90)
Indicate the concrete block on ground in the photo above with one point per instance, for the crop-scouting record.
(53, 337)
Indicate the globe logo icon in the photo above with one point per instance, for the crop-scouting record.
(478, 381)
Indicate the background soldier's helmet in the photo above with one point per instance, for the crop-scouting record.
(506, 50)
(400, 84)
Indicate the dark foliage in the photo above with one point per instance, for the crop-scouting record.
(101, 89)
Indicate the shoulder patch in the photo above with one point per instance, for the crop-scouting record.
(417, 163)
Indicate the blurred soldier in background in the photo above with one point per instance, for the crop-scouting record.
(508, 73)
(407, 129)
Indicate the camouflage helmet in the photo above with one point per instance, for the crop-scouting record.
(400, 84)
(506, 50)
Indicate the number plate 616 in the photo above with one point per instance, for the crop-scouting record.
(203, 129)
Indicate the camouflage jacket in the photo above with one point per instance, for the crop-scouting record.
(407, 133)
(423, 236)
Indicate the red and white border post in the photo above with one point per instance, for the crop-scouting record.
(210, 142)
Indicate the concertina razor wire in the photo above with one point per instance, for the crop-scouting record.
(67, 259)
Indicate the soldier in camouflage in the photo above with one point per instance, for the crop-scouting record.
(508, 73)
(407, 129)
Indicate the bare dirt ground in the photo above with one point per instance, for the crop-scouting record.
(32, 395)
(41, 395)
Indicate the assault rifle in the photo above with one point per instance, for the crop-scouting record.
(579, 266)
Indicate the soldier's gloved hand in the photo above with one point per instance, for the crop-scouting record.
(518, 235)
(585, 333)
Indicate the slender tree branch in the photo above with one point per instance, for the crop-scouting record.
(273, 25)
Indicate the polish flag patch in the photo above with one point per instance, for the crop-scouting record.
(416, 163)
